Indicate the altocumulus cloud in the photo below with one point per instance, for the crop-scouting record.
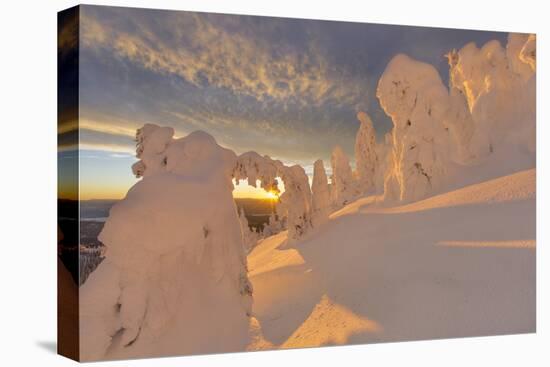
(247, 55)
(289, 88)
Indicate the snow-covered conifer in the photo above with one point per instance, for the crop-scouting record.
(295, 203)
(173, 240)
(320, 195)
(498, 87)
(366, 157)
(343, 186)
(412, 94)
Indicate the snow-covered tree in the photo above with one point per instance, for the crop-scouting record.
(151, 144)
(343, 186)
(273, 226)
(174, 240)
(412, 94)
(498, 87)
(253, 167)
(366, 157)
(461, 127)
(489, 109)
(383, 151)
(321, 204)
(250, 236)
(295, 203)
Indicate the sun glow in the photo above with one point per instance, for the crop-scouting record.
(272, 195)
(243, 190)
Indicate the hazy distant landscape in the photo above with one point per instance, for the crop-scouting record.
(257, 212)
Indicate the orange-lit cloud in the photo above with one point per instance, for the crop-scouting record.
(110, 127)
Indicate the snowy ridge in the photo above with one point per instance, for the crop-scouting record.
(514, 187)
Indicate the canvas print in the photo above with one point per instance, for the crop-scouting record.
(233, 183)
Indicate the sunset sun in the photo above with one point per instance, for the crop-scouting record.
(272, 195)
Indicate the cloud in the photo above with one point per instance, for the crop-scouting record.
(105, 141)
(107, 147)
(223, 51)
(111, 127)
(67, 37)
(67, 126)
(289, 88)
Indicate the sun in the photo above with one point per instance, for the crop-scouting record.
(272, 195)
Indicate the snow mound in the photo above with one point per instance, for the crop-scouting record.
(514, 187)
(269, 256)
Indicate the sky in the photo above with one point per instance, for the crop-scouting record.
(289, 88)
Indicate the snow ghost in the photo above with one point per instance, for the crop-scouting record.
(343, 187)
(250, 236)
(320, 195)
(366, 157)
(294, 204)
(175, 273)
(497, 86)
(412, 94)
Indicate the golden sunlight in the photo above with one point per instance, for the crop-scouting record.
(272, 195)
(244, 190)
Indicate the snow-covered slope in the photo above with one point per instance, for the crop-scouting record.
(445, 248)
(514, 187)
(456, 264)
